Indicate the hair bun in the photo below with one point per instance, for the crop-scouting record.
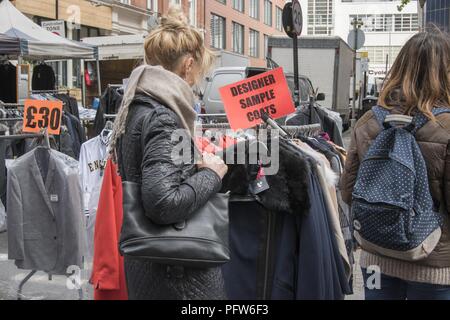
(174, 19)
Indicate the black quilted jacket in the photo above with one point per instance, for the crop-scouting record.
(170, 193)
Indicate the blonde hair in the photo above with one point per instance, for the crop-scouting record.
(166, 46)
(419, 78)
(176, 12)
(175, 39)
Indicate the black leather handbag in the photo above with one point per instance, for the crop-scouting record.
(200, 242)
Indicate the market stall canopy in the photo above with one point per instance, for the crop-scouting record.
(121, 47)
(9, 45)
(36, 42)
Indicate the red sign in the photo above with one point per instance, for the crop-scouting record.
(40, 114)
(245, 101)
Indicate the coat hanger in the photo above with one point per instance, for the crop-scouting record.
(105, 134)
(45, 141)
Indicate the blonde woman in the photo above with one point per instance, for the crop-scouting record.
(159, 100)
(417, 82)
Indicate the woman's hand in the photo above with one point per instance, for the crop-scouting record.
(214, 163)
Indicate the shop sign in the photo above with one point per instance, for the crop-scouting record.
(56, 26)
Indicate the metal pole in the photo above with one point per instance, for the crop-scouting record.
(99, 82)
(296, 83)
(355, 28)
(387, 62)
(365, 85)
(83, 84)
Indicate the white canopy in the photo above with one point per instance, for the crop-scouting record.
(36, 42)
(121, 47)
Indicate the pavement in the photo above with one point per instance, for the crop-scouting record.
(39, 287)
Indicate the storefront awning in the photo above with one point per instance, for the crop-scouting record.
(124, 47)
(36, 42)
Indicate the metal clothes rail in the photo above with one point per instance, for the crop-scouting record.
(67, 91)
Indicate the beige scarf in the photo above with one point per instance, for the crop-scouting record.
(165, 87)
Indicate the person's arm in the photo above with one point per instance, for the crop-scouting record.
(167, 198)
(348, 178)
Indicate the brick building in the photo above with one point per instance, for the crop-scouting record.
(240, 26)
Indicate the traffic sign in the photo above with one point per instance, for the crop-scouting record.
(360, 39)
(297, 17)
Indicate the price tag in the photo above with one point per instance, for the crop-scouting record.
(40, 114)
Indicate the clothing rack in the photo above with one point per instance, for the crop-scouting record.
(212, 115)
(27, 135)
(11, 119)
(22, 136)
(288, 130)
(11, 105)
(67, 91)
(114, 85)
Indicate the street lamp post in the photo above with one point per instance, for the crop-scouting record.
(356, 23)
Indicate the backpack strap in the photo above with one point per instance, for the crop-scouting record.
(380, 114)
(420, 119)
(440, 110)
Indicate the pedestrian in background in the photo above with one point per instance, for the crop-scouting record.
(418, 81)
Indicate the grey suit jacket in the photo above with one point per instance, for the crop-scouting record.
(46, 227)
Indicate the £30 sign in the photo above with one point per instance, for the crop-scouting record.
(40, 114)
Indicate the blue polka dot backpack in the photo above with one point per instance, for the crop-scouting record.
(392, 205)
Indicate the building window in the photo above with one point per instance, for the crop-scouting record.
(279, 19)
(254, 9)
(268, 12)
(320, 17)
(238, 38)
(152, 5)
(222, 1)
(406, 22)
(438, 13)
(266, 45)
(193, 12)
(253, 43)
(125, 1)
(172, 2)
(217, 32)
(379, 54)
(374, 22)
(387, 22)
(239, 5)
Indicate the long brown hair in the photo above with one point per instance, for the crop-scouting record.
(419, 78)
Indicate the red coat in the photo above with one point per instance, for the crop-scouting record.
(108, 275)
